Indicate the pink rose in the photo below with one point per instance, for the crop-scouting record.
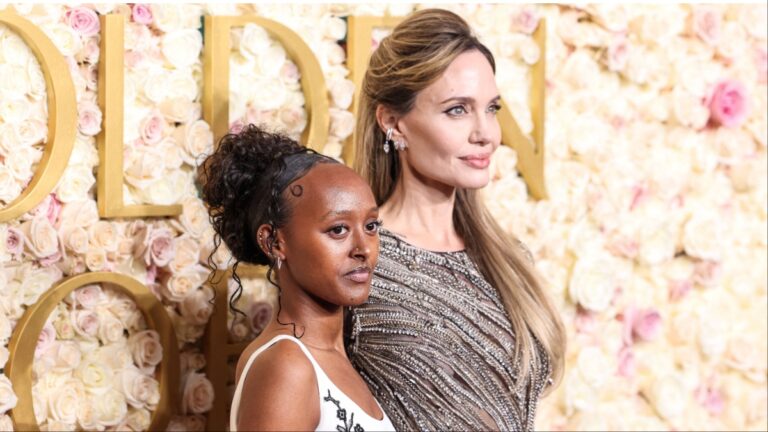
(647, 324)
(50, 259)
(706, 25)
(617, 54)
(260, 314)
(729, 104)
(88, 296)
(711, 399)
(525, 21)
(83, 20)
(627, 363)
(707, 273)
(50, 207)
(146, 350)
(236, 126)
(679, 289)
(643, 324)
(161, 247)
(46, 339)
(585, 321)
(90, 52)
(14, 241)
(89, 118)
(152, 128)
(85, 323)
(141, 14)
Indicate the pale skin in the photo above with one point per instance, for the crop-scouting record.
(332, 232)
(451, 133)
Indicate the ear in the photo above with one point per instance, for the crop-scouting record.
(386, 118)
(270, 242)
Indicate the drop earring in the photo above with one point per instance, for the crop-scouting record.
(388, 140)
(278, 263)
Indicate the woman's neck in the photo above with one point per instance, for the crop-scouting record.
(422, 211)
(319, 323)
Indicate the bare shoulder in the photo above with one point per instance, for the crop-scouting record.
(280, 390)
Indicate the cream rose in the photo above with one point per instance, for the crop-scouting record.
(669, 396)
(253, 41)
(103, 234)
(181, 84)
(342, 91)
(197, 397)
(126, 311)
(196, 139)
(76, 240)
(140, 390)
(110, 328)
(137, 420)
(593, 284)
(110, 408)
(40, 237)
(85, 323)
(182, 47)
(79, 214)
(187, 253)
(75, 184)
(67, 357)
(65, 38)
(146, 349)
(143, 167)
(6, 424)
(192, 361)
(178, 286)
(96, 260)
(689, 110)
(342, 123)
(10, 188)
(35, 282)
(96, 377)
(704, 236)
(197, 307)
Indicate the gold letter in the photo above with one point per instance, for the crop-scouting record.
(62, 117)
(216, 68)
(530, 150)
(110, 140)
(25, 335)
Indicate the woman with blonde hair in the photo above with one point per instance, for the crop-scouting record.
(458, 332)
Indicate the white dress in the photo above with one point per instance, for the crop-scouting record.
(337, 411)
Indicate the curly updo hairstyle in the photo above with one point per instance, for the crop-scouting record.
(243, 182)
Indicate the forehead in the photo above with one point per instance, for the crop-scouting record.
(330, 186)
(469, 74)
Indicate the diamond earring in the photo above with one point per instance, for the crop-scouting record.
(388, 140)
(278, 263)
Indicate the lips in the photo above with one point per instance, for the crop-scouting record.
(477, 161)
(359, 275)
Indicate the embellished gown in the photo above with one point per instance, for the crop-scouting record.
(435, 344)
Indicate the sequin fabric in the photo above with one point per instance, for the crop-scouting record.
(435, 345)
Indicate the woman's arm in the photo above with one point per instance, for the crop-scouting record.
(280, 392)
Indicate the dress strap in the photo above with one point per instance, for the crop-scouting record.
(239, 389)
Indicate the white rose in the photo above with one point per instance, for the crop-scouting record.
(593, 282)
(181, 84)
(703, 236)
(110, 328)
(40, 237)
(334, 27)
(37, 281)
(271, 60)
(14, 110)
(4, 353)
(78, 214)
(143, 167)
(253, 41)
(594, 364)
(75, 184)
(689, 109)
(110, 408)
(180, 109)
(68, 357)
(65, 39)
(146, 350)
(32, 131)
(193, 218)
(76, 240)
(713, 337)
(63, 403)
(182, 47)
(342, 91)
(137, 420)
(166, 190)
(10, 188)
(13, 50)
(342, 123)
(140, 390)
(85, 323)
(96, 377)
(8, 398)
(116, 356)
(197, 307)
(126, 311)
(668, 396)
(579, 396)
(170, 17)
(197, 397)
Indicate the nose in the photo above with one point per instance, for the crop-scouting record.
(482, 129)
(361, 249)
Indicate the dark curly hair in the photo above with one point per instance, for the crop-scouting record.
(243, 182)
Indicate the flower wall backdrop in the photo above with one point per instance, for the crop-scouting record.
(652, 241)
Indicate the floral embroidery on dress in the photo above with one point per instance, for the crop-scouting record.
(341, 414)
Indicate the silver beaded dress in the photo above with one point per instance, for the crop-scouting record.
(435, 345)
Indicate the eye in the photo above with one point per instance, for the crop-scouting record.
(338, 230)
(373, 226)
(456, 110)
(494, 108)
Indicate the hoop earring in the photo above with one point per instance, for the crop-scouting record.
(388, 140)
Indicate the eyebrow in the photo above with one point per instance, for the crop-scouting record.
(467, 99)
(334, 213)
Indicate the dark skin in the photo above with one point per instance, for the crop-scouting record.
(328, 250)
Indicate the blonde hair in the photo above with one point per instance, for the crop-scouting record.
(416, 54)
